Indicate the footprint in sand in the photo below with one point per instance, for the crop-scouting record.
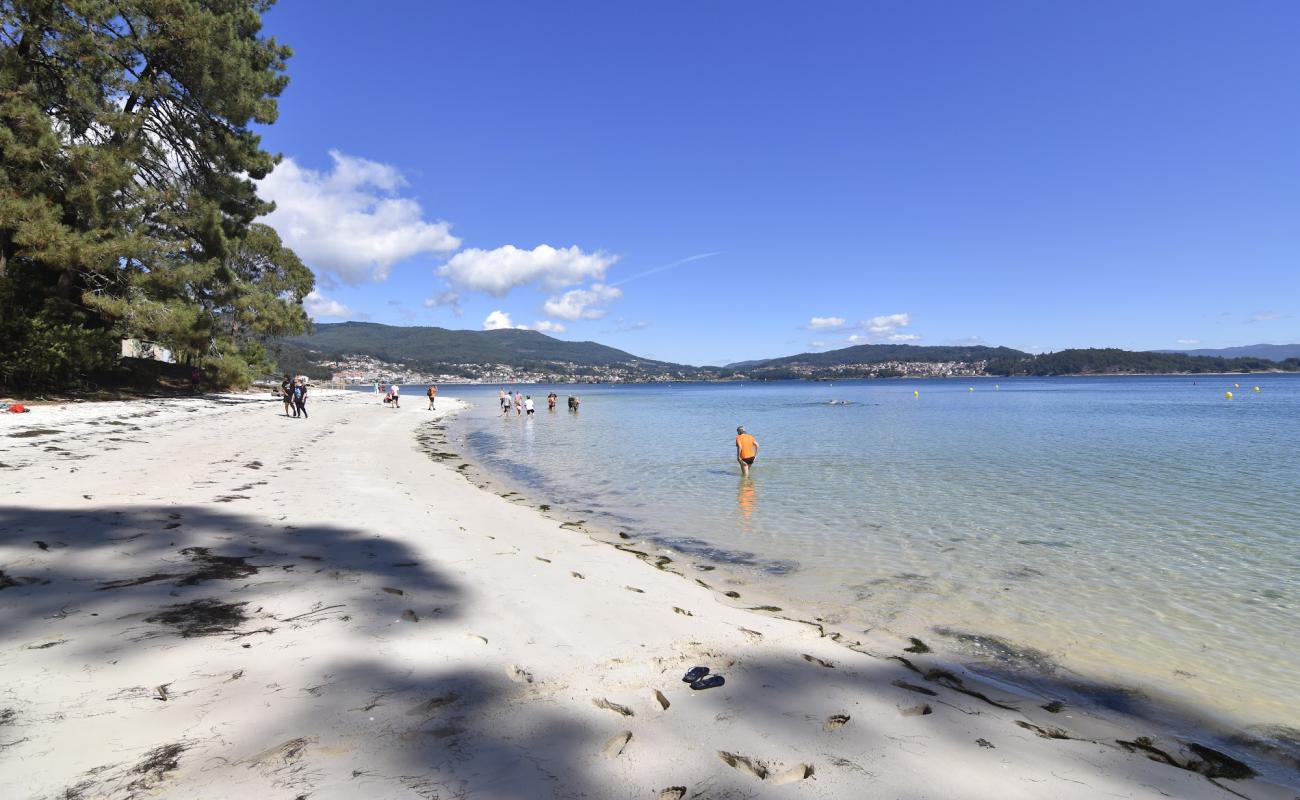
(673, 793)
(482, 639)
(835, 722)
(578, 575)
(433, 704)
(601, 702)
(663, 701)
(634, 589)
(409, 616)
(744, 764)
(391, 590)
(614, 746)
(916, 711)
(683, 612)
(518, 674)
(796, 773)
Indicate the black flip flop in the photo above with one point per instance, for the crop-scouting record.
(694, 674)
(708, 682)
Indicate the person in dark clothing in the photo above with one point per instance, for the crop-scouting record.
(286, 394)
(300, 398)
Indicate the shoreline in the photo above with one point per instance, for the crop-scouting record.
(252, 575)
(1025, 676)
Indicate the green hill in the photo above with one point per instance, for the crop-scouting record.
(1113, 361)
(429, 348)
(880, 353)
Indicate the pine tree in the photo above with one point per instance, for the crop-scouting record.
(127, 201)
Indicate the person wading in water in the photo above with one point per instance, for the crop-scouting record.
(746, 450)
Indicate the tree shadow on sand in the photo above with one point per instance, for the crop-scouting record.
(328, 660)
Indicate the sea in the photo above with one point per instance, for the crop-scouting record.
(1128, 541)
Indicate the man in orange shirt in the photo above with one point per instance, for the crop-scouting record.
(746, 450)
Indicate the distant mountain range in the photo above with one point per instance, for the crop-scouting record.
(536, 356)
(442, 350)
(881, 353)
(1273, 352)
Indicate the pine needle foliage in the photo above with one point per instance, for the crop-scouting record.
(127, 194)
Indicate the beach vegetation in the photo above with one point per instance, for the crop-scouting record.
(128, 200)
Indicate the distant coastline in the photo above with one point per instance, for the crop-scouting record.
(365, 353)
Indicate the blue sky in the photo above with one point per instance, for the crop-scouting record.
(708, 182)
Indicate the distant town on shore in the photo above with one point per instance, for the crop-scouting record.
(364, 353)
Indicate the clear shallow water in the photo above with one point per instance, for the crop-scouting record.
(1134, 531)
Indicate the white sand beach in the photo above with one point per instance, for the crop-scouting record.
(203, 599)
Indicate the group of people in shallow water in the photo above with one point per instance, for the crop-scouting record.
(393, 395)
(294, 393)
(523, 403)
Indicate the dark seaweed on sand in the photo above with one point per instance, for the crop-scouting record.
(206, 617)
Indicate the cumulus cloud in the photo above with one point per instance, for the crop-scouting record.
(1189, 341)
(887, 323)
(498, 271)
(884, 328)
(546, 326)
(819, 323)
(318, 305)
(449, 299)
(500, 320)
(350, 220)
(579, 303)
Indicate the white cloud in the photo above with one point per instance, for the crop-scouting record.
(500, 320)
(449, 299)
(626, 326)
(318, 305)
(498, 271)
(818, 323)
(884, 328)
(350, 221)
(887, 323)
(1266, 316)
(1189, 341)
(578, 303)
(546, 326)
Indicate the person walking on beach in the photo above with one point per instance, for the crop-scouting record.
(551, 400)
(433, 395)
(519, 403)
(504, 400)
(300, 397)
(528, 405)
(746, 450)
(393, 394)
(286, 394)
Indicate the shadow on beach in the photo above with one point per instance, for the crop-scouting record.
(251, 614)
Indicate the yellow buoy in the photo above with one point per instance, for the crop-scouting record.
(916, 393)
(1236, 385)
(1228, 395)
(1257, 388)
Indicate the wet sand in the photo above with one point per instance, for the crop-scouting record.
(202, 598)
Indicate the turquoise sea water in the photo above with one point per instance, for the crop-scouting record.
(1121, 532)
